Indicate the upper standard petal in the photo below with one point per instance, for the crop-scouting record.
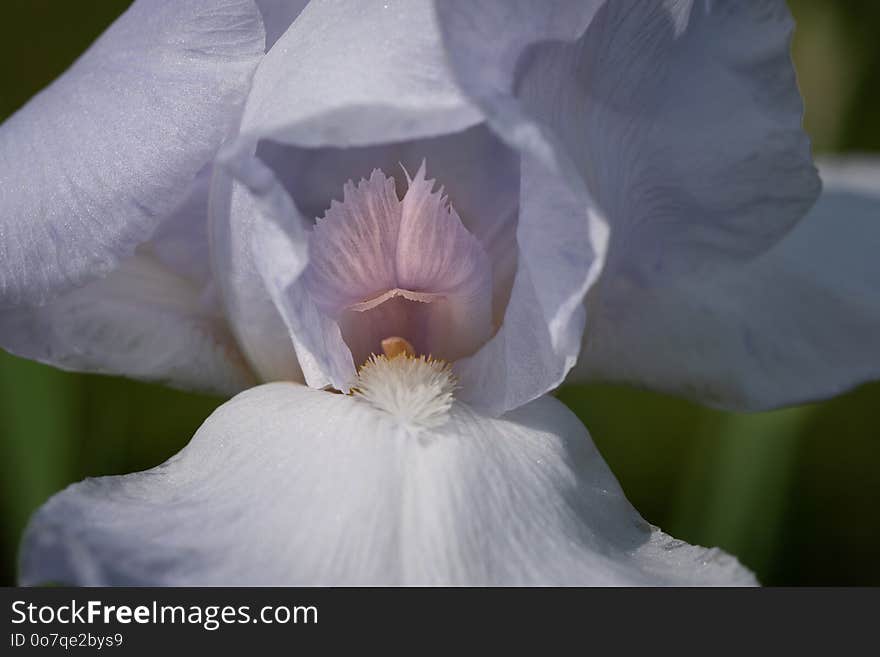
(675, 125)
(94, 162)
(683, 119)
(796, 324)
(361, 96)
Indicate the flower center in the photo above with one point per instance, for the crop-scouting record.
(417, 391)
(407, 268)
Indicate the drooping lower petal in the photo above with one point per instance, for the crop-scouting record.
(288, 485)
(796, 324)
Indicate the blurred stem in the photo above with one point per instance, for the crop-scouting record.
(38, 430)
(737, 489)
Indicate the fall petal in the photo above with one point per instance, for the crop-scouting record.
(289, 485)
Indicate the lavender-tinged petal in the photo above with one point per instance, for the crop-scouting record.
(478, 172)
(690, 142)
(143, 320)
(325, 360)
(357, 72)
(683, 159)
(93, 163)
(353, 247)
(562, 241)
(345, 73)
(798, 323)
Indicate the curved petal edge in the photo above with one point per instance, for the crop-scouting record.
(289, 485)
(799, 323)
(95, 161)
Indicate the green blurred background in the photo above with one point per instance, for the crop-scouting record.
(793, 493)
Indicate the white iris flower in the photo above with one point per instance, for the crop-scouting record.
(394, 227)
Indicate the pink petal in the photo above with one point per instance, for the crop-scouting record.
(382, 267)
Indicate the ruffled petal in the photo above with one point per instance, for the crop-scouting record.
(799, 323)
(94, 162)
(286, 485)
(683, 119)
(540, 327)
(156, 317)
(383, 267)
(478, 173)
(327, 81)
(354, 246)
(672, 129)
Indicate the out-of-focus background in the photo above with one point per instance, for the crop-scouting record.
(795, 494)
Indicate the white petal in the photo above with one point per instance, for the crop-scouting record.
(404, 91)
(289, 485)
(92, 164)
(562, 239)
(477, 171)
(143, 320)
(562, 232)
(328, 80)
(156, 317)
(279, 237)
(487, 39)
(801, 322)
(256, 322)
(683, 119)
(180, 242)
(357, 72)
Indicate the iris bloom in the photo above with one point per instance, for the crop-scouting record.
(396, 226)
